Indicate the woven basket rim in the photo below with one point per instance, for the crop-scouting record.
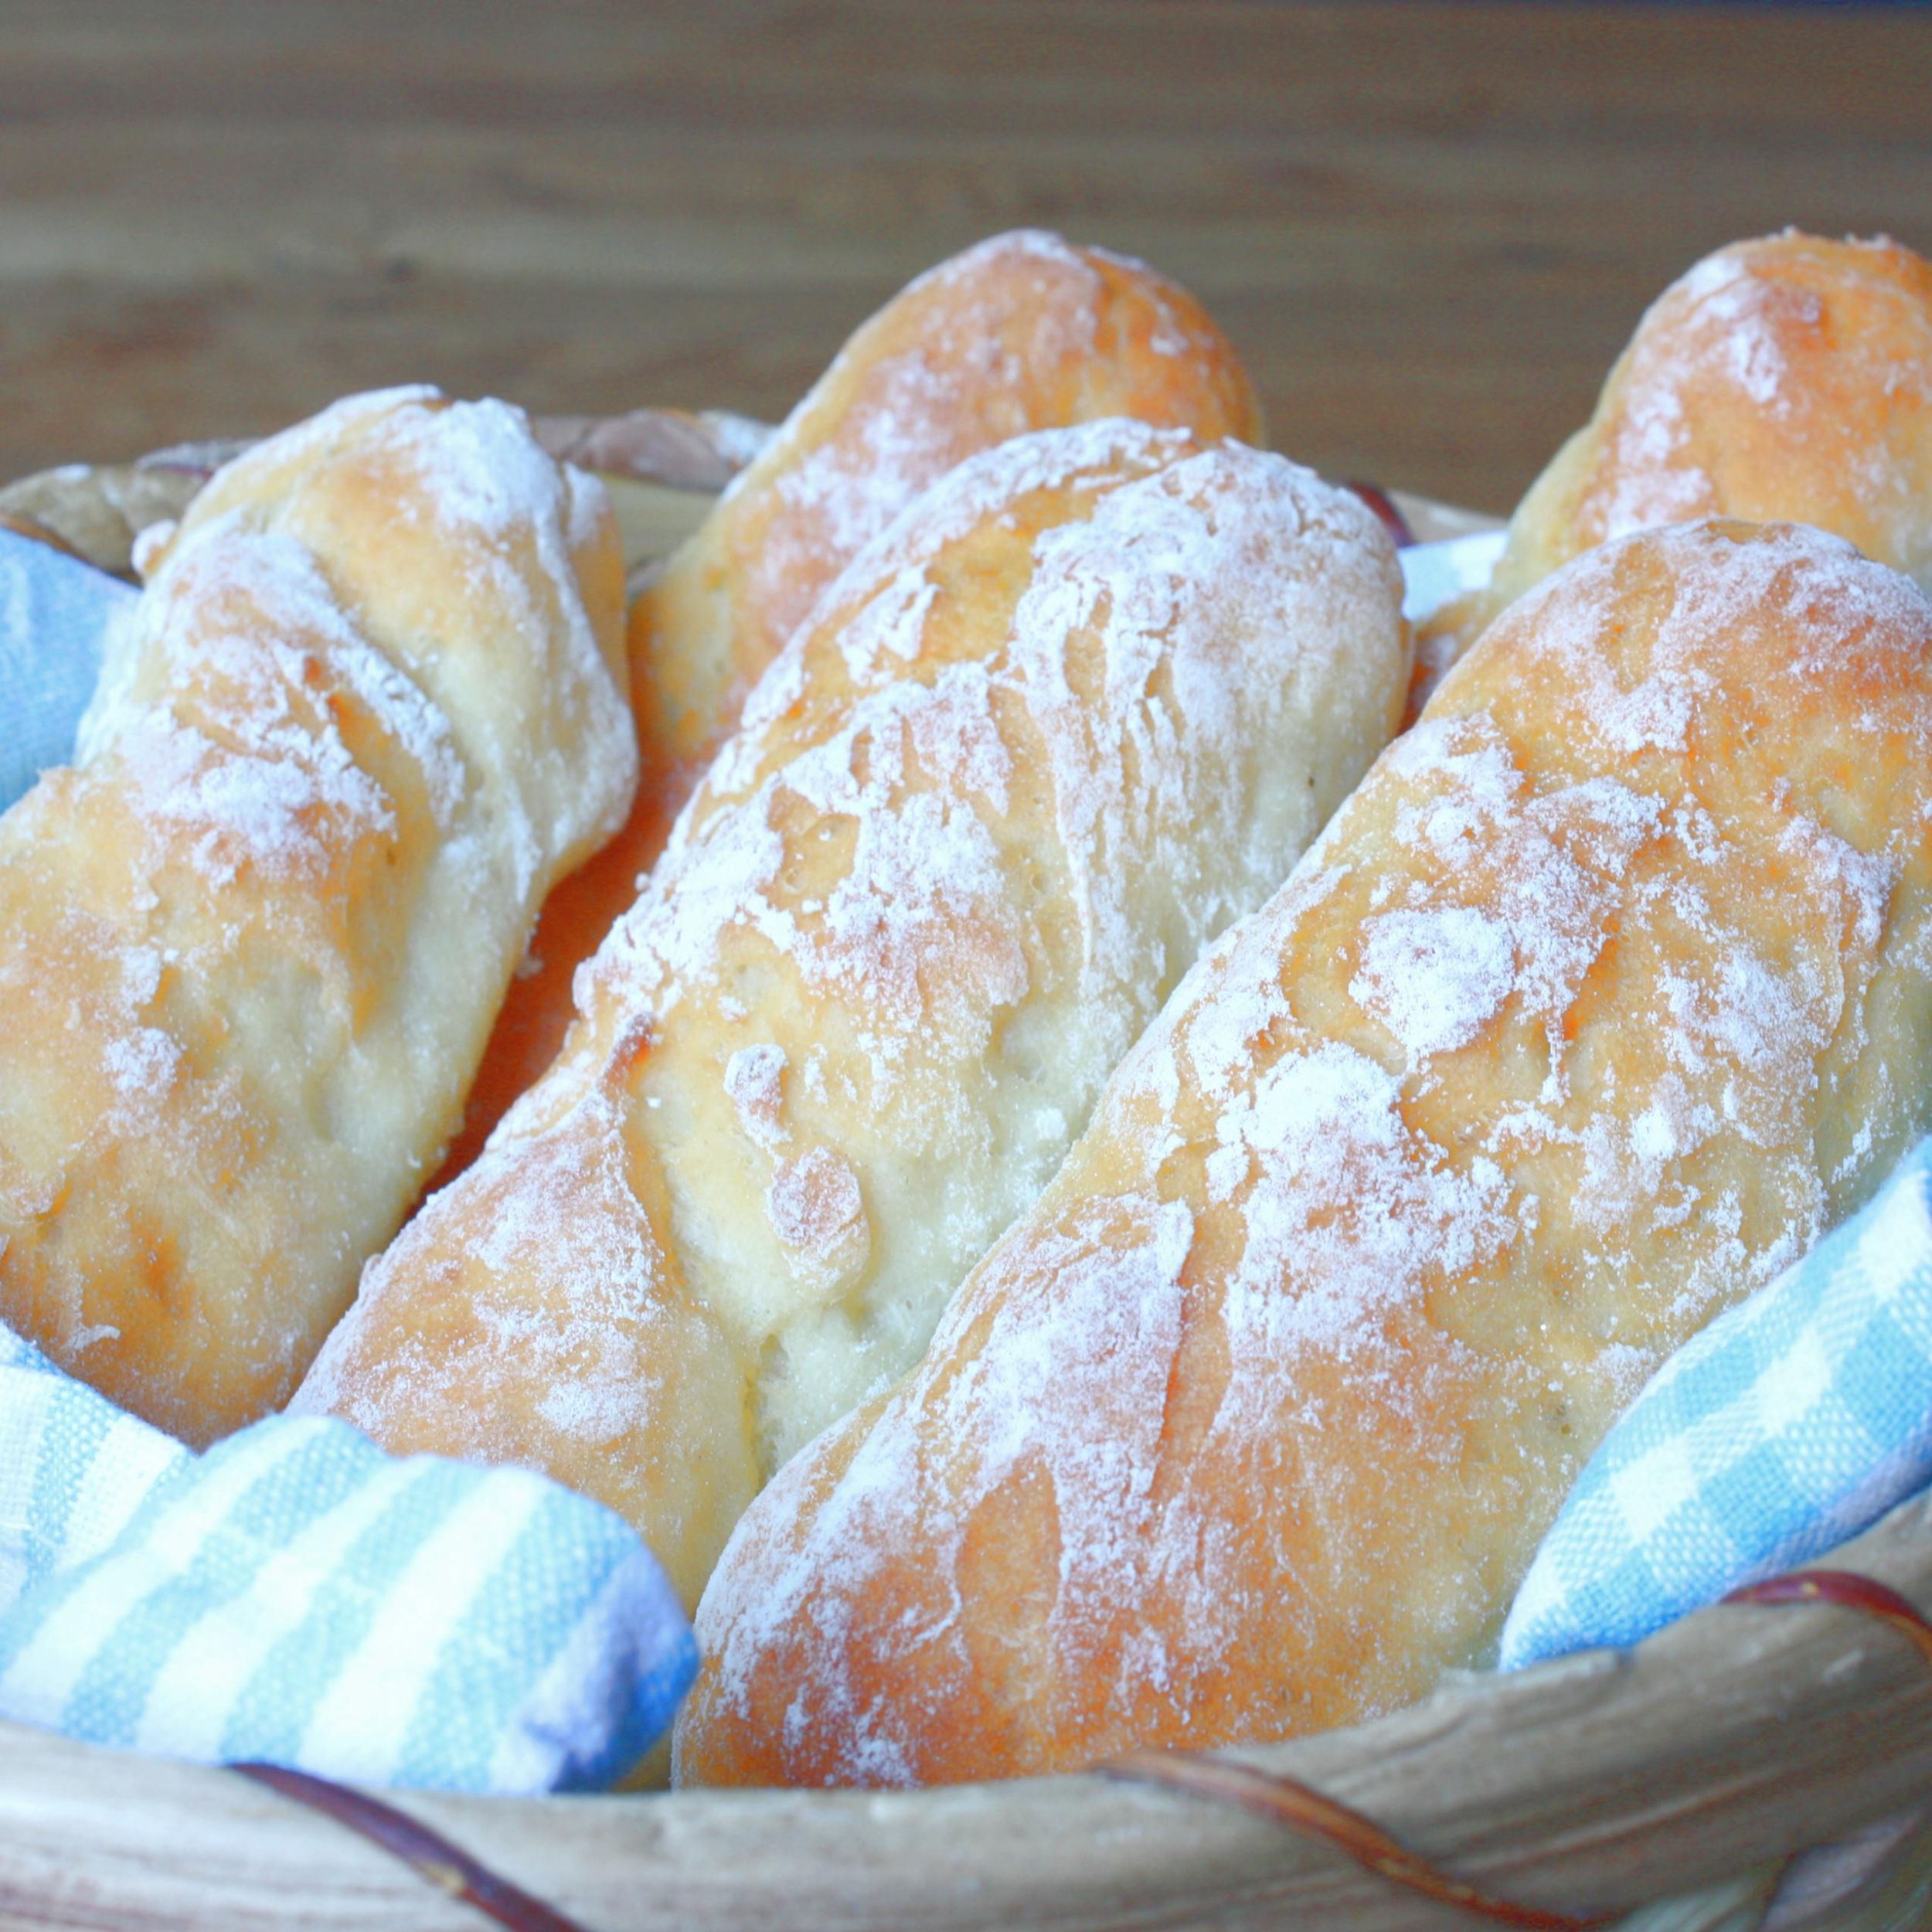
(1592, 1785)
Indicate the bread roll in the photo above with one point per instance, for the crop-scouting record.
(1080, 707)
(1788, 379)
(1603, 996)
(1023, 332)
(369, 706)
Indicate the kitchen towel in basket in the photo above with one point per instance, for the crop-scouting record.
(54, 612)
(297, 1596)
(1789, 1424)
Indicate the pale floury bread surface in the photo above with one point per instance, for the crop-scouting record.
(370, 704)
(1024, 331)
(1082, 706)
(1787, 378)
(1608, 990)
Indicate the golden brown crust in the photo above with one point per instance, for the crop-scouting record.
(1041, 741)
(1023, 332)
(369, 706)
(1788, 379)
(1608, 990)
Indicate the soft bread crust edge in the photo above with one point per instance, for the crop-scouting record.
(1786, 378)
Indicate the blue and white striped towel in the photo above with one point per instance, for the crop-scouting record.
(1790, 1424)
(296, 1596)
(54, 614)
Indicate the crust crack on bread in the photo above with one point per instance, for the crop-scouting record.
(1786, 378)
(1077, 709)
(1606, 993)
(369, 706)
(1023, 332)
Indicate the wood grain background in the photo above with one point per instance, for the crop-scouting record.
(1428, 227)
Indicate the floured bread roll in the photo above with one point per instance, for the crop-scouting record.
(1023, 332)
(1603, 996)
(369, 706)
(1788, 379)
(1080, 707)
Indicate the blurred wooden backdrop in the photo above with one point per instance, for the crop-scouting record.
(1427, 226)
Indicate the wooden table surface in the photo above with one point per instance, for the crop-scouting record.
(1428, 227)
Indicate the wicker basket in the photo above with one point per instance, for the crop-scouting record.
(1756, 1766)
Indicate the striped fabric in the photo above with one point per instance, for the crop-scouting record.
(53, 611)
(1790, 1424)
(296, 1596)
(54, 1437)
